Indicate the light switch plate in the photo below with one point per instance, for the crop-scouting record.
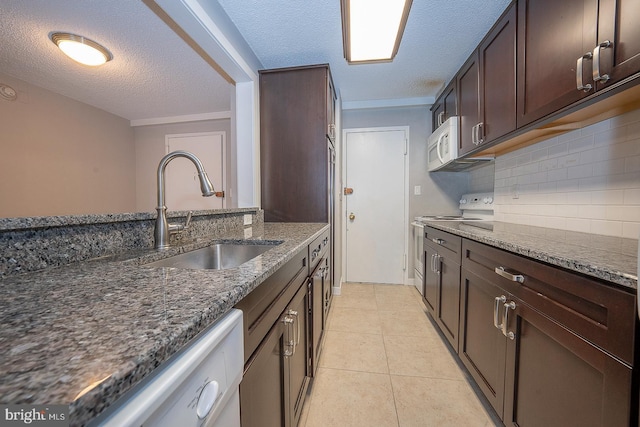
(247, 219)
(417, 190)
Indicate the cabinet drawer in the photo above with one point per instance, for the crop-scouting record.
(590, 308)
(263, 306)
(446, 244)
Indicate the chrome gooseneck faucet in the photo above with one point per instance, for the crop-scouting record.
(164, 229)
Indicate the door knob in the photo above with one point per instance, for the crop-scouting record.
(352, 216)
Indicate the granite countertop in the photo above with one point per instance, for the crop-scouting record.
(114, 320)
(613, 259)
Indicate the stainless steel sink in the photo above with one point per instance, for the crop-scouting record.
(215, 257)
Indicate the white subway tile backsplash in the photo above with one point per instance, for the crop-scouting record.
(582, 144)
(631, 196)
(579, 198)
(632, 164)
(610, 197)
(631, 230)
(609, 228)
(596, 128)
(623, 213)
(581, 171)
(586, 180)
(581, 225)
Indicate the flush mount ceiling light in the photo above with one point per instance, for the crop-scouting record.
(372, 29)
(81, 49)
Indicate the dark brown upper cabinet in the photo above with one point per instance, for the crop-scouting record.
(618, 42)
(445, 106)
(297, 112)
(487, 87)
(554, 38)
(569, 49)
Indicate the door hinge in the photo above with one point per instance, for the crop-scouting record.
(406, 146)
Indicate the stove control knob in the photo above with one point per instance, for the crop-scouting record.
(463, 201)
(487, 200)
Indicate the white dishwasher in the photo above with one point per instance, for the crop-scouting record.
(199, 387)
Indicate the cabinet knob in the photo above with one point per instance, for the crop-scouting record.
(351, 216)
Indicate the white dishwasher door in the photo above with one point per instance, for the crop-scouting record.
(197, 388)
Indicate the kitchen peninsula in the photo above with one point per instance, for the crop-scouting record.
(98, 326)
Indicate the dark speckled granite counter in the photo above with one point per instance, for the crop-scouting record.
(612, 259)
(66, 327)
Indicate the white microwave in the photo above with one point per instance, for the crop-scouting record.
(442, 144)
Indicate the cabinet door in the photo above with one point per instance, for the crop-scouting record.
(331, 108)
(327, 284)
(552, 36)
(618, 24)
(431, 280)
(437, 112)
(299, 369)
(317, 315)
(446, 105)
(555, 378)
(263, 394)
(482, 345)
(468, 103)
(448, 308)
(498, 79)
(450, 101)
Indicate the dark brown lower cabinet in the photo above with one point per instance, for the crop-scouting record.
(442, 281)
(277, 355)
(547, 347)
(297, 354)
(482, 346)
(263, 397)
(276, 377)
(316, 315)
(555, 378)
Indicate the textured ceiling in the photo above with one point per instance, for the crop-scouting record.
(153, 74)
(439, 36)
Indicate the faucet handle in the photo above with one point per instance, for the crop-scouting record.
(188, 221)
(178, 228)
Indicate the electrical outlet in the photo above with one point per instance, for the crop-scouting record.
(247, 219)
(417, 190)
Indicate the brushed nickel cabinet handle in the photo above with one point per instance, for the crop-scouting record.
(496, 311)
(596, 62)
(509, 276)
(438, 241)
(480, 133)
(579, 83)
(288, 352)
(505, 320)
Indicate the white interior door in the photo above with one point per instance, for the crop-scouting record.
(181, 177)
(376, 219)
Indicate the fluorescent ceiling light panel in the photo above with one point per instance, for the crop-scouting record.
(373, 28)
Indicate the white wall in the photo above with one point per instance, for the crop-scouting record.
(440, 191)
(587, 180)
(150, 149)
(62, 157)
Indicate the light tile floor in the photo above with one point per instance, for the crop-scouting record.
(383, 364)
